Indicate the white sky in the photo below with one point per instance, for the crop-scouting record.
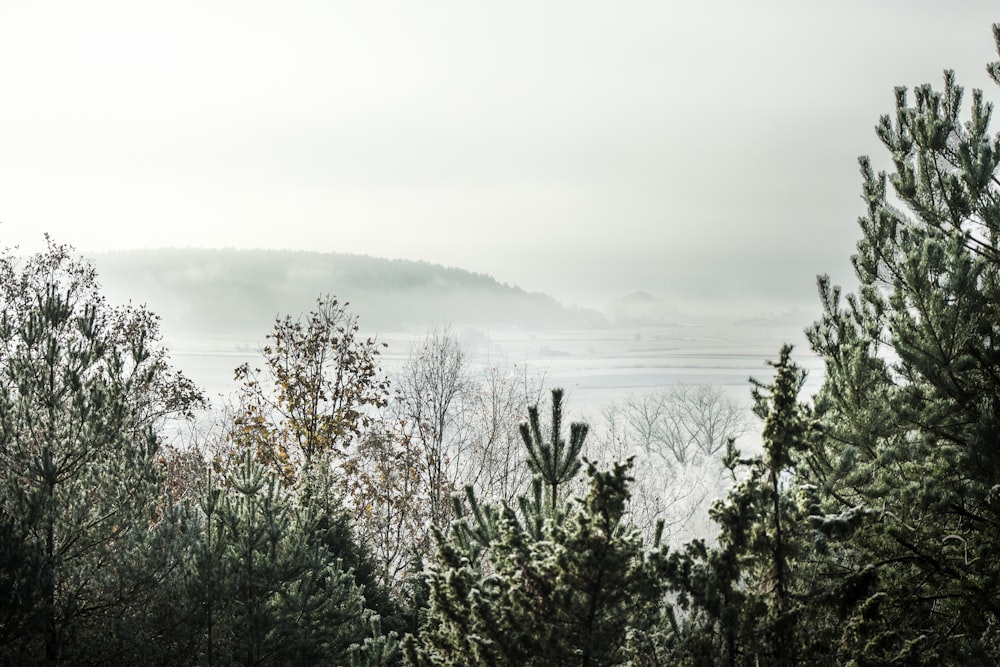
(702, 151)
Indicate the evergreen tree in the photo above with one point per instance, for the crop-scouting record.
(750, 597)
(543, 585)
(266, 584)
(83, 388)
(21, 586)
(911, 398)
(874, 539)
(553, 462)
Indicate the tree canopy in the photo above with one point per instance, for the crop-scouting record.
(863, 530)
(867, 532)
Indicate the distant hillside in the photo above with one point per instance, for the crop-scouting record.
(243, 290)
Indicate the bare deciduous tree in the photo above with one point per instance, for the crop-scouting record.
(495, 464)
(466, 422)
(431, 391)
(676, 435)
(684, 423)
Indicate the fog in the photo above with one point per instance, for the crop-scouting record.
(703, 152)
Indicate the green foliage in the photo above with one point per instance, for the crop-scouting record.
(117, 549)
(300, 590)
(867, 531)
(910, 401)
(265, 580)
(748, 597)
(312, 416)
(82, 388)
(864, 532)
(22, 582)
(544, 585)
(555, 461)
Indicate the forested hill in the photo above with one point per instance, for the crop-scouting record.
(243, 290)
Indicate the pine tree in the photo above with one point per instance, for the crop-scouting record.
(555, 461)
(21, 585)
(83, 387)
(748, 596)
(265, 584)
(911, 398)
(544, 584)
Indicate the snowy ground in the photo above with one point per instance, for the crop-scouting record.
(595, 368)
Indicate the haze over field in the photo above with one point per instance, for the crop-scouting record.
(217, 306)
(701, 152)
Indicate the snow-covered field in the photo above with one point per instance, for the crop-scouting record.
(595, 368)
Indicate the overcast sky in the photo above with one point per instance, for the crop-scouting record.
(702, 151)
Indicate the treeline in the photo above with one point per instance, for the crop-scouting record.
(333, 518)
(241, 291)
